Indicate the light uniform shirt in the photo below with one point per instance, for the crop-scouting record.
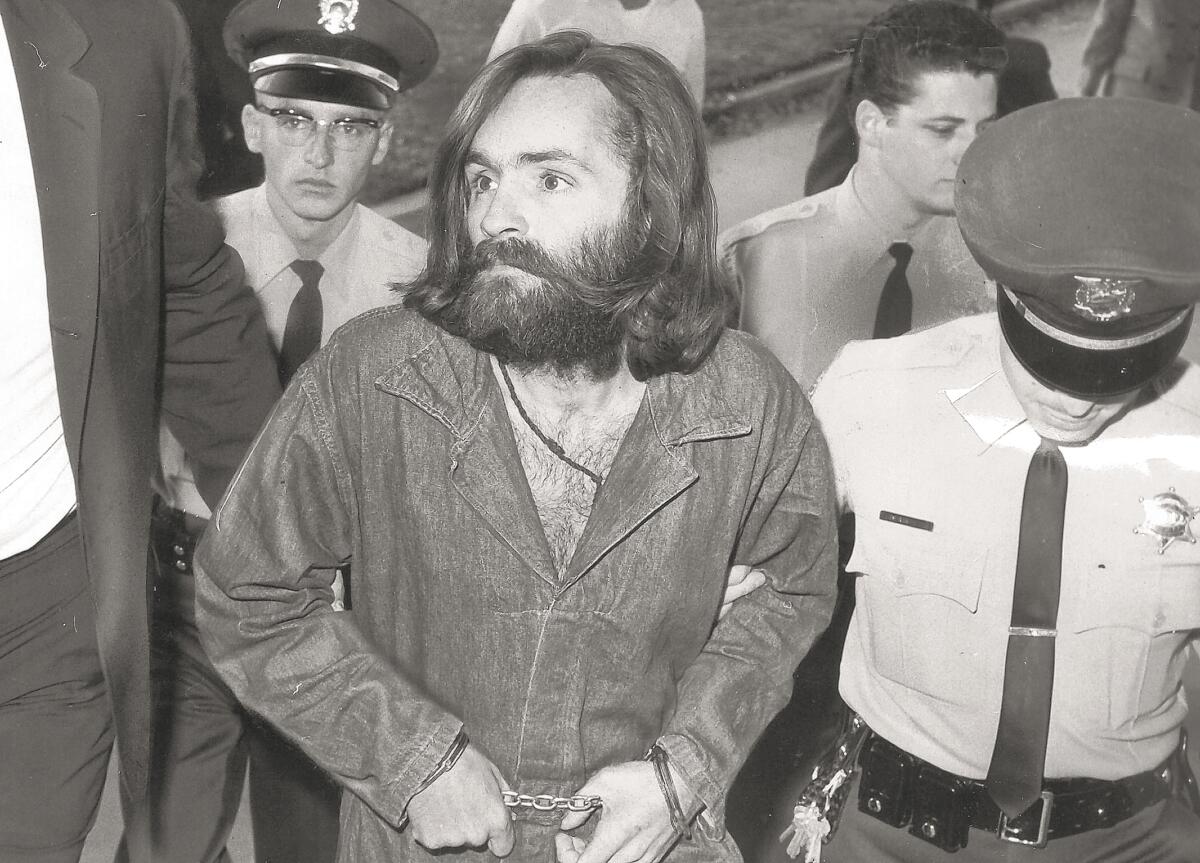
(37, 488)
(813, 271)
(927, 427)
(360, 267)
(673, 28)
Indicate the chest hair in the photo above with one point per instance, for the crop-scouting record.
(563, 495)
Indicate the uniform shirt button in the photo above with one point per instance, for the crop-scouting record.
(929, 830)
(873, 805)
(181, 565)
(177, 550)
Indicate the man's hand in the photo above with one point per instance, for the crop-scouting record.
(742, 581)
(635, 825)
(464, 807)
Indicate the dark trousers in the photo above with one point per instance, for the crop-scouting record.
(56, 729)
(203, 739)
(294, 805)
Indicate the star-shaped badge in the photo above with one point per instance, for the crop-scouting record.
(1168, 518)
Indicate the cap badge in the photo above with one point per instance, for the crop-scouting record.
(1168, 518)
(1100, 299)
(337, 16)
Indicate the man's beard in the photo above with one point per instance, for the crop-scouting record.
(532, 309)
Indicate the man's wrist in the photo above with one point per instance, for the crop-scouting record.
(680, 819)
(447, 762)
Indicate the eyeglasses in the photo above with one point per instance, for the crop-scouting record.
(296, 129)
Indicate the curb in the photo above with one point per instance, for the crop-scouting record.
(788, 85)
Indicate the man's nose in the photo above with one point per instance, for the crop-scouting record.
(318, 150)
(504, 216)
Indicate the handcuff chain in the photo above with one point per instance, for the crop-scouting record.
(550, 803)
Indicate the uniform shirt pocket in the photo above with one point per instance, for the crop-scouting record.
(920, 594)
(1137, 626)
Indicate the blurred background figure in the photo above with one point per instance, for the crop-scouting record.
(880, 254)
(1144, 48)
(673, 28)
(1024, 81)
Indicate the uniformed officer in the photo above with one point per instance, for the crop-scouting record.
(880, 254)
(324, 76)
(1026, 486)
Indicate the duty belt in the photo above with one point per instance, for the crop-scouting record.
(939, 807)
(174, 535)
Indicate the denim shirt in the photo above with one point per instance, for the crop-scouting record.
(392, 449)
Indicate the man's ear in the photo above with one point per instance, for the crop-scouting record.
(252, 129)
(384, 142)
(869, 123)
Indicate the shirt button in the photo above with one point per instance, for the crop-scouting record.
(177, 550)
(181, 565)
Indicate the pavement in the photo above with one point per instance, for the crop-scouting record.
(749, 175)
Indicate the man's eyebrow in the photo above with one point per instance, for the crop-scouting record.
(554, 155)
(345, 118)
(474, 157)
(539, 157)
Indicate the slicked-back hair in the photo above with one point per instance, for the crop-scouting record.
(911, 39)
(673, 305)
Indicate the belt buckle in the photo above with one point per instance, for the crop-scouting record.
(1005, 833)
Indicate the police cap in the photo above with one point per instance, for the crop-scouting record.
(353, 52)
(1086, 212)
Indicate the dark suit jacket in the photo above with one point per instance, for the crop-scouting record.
(1025, 81)
(143, 297)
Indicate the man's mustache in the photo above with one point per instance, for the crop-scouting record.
(520, 253)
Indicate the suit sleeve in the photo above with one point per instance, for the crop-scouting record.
(219, 378)
(743, 676)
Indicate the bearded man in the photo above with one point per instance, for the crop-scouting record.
(541, 471)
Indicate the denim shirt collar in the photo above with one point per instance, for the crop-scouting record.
(454, 384)
(451, 381)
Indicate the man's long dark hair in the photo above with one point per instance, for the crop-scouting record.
(672, 305)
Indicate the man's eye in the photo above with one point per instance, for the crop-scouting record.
(552, 182)
(942, 131)
(351, 130)
(288, 121)
(481, 183)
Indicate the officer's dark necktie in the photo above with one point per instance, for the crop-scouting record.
(894, 315)
(1014, 778)
(302, 334)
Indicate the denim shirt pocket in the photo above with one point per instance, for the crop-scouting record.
(915, 588)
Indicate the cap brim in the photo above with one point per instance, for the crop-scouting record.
(1079, 368)
(323, 85)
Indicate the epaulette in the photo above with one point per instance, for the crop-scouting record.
(805, 208)
(947, 344)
